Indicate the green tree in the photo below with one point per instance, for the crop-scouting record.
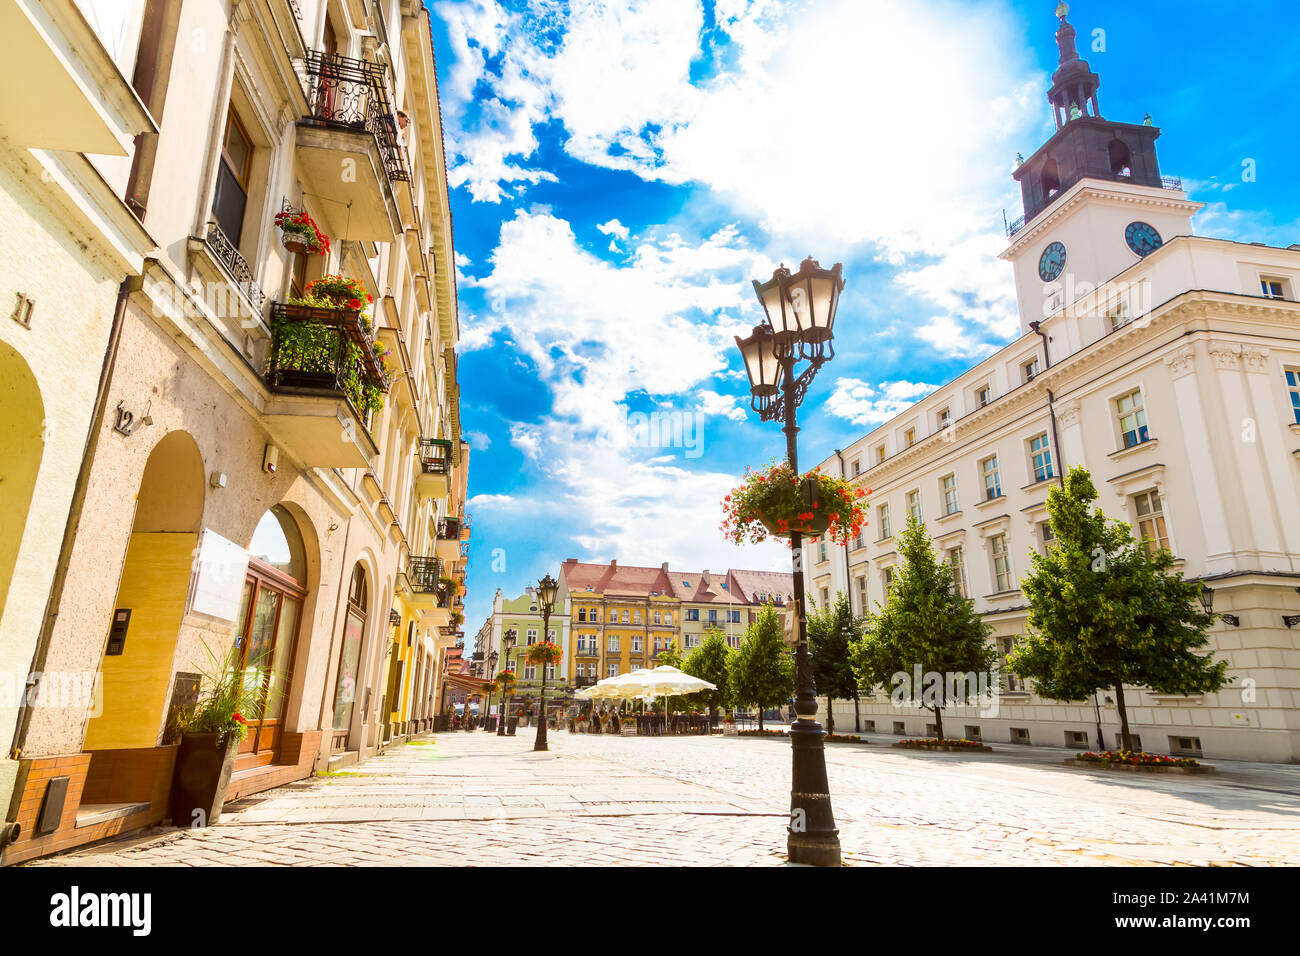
(670, 656)
(925, 623)
(831, 632)
(1105, 611)
(709, 662)
(760, 671)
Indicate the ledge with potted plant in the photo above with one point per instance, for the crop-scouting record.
(775, 501)
(211, 728)
(1139, 760)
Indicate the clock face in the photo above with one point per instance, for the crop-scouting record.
(1051, 262)
(1142, 238)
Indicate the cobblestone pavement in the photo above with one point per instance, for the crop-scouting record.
(479, 799)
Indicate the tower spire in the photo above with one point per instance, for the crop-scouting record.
(1073, 93)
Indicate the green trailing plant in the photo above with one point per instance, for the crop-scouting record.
(306, 345)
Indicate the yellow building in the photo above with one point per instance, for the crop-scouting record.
(620, 617)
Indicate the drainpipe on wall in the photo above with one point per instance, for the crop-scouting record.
(70, 528)
(1051, 409)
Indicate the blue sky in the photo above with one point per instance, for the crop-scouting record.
(621, 171)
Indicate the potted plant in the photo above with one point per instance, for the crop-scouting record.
(211, 727)
(340, 292)
(778, 502)
(299, 233)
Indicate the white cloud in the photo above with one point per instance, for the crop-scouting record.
(496, 502)
(728, 406)
(861, 403)
(463, 260)
(836, 122)
(479, 441)
(613, 228)
(952, 339)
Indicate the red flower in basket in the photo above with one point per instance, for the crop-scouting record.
(355, 303)
(238, 718)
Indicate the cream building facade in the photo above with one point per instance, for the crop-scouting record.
(1168, 365)
(298, 503)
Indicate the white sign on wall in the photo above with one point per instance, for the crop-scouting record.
(219, 577)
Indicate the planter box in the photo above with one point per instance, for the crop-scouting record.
(957, 750)
(200, 779)
(1149, 768)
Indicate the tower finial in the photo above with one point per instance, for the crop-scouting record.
(1062, 10)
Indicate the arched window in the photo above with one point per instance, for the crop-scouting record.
(1121, 163)
(269, 618)
(354, 626)
(1050, 179)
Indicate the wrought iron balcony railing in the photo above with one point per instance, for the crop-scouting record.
(424, 575)
(349, 94)
(233, 262)
(325, 349)
(435, 456)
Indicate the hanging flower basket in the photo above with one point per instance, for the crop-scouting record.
(544, 652)
(777, 502)
(300, 234)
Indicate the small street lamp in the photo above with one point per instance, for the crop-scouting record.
(492, 671)
(507, 642)
(800, 311)
(547, 588)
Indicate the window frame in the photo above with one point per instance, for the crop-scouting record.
(995, 473)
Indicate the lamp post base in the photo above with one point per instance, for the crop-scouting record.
(813, 837)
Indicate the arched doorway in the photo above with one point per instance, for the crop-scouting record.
(21, 448)
(270, 614)
(354, 629)
(136, 672)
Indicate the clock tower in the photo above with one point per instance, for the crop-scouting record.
(1094, 200)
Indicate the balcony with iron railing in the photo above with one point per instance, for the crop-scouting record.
(327, 381)
(349, 117)
(433, 478)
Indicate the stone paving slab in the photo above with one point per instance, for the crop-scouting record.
(476, 799)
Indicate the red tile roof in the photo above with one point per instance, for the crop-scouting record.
(615, 580)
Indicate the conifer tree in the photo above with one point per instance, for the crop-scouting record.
(925, 626)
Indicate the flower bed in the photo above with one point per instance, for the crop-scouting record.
(1137, 760)
(845, 739)
(776, 501)
(760, 733)
(945, 744)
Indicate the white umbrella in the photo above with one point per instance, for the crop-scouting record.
(663, 681)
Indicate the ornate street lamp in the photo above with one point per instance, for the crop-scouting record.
(546, 591)
(800, 311)
(507, 641)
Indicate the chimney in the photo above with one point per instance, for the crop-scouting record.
(613, 565)
(664, 567)
(569, 561)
